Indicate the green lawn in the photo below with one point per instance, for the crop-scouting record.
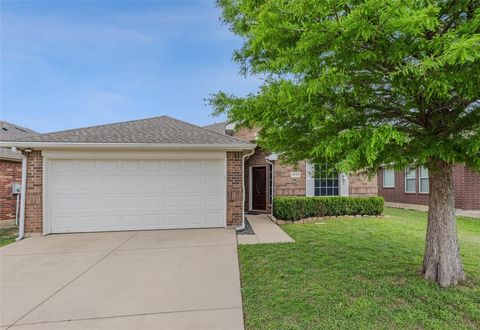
(8, 235)
(357, 273)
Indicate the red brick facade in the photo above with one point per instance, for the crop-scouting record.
(33, 201)
(234, 188)
(466, 184)
(10, 172)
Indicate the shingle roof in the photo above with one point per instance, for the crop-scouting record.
(218, 127)
(9, 131)
(158, 130)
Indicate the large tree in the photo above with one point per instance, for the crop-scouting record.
(366, 83)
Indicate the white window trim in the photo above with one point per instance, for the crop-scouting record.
(340, 176)
(420, 177)
(415, 178)
(309, 180)
(383, 183)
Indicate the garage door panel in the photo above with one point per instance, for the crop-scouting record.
(106, 183)
(213, 166)
(152, 183)
(214, 201)
(214, 183)
(131, 182)
(193, 166)
(195, 183)
(105, 195)
(107, 167)
(212, 218)
(84, 167)
(193, 201)
(173, 166)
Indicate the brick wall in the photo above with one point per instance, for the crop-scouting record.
(10, 172)
(285, 185)
(361, 186)
(33, 201)
(397, 194)
(467, 188)
(234, 188)
(466, 184)
(246, 134)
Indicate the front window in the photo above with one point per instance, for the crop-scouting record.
(388, 178)
(423, 182)
(410, 179)
(326, 180)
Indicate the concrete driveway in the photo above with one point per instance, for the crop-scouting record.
(170, 279)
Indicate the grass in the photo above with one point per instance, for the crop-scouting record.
(357, 273)
(8, 235)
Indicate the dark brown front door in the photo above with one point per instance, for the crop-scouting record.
(259, 188)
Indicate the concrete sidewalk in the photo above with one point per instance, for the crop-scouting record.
(265, 232)
(424, 208)
(169, 279)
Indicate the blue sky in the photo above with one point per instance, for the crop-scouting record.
(69, 64)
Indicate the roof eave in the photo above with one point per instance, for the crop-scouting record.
(158, 146)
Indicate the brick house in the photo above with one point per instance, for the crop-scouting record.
(160, 173)
(411, 186)
(10, 171)
(265, 176)
(155, 173)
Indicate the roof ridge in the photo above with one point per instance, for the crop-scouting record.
(102, 125)
(220, 122)
(19, 127)
(223, 135)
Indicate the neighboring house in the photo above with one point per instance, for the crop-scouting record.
(266, 177)
(10, 171)
(156, 173)
(411, 186)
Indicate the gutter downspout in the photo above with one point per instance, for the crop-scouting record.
(273, 182)
(21, 224)
(244, 157)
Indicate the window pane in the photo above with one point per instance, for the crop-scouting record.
(326, 180)
(388, 177)
(410, 185)
(423, 172)
(424, 185)
(410, 173)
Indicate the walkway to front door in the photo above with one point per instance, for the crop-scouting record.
(259, 188)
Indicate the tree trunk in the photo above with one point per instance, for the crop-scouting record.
(442, 262)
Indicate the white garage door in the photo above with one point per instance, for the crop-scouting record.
(109, 195)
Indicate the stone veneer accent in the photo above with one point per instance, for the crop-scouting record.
(285, 185)
(10, 172)
(234, 188)
(361, 186)
(33, 201)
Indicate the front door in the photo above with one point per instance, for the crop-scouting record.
(259, 188)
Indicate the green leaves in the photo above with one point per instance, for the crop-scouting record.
(360, 83)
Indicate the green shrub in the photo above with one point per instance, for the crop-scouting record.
(297, 208)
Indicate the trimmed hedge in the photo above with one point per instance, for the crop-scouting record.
(297, 208)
